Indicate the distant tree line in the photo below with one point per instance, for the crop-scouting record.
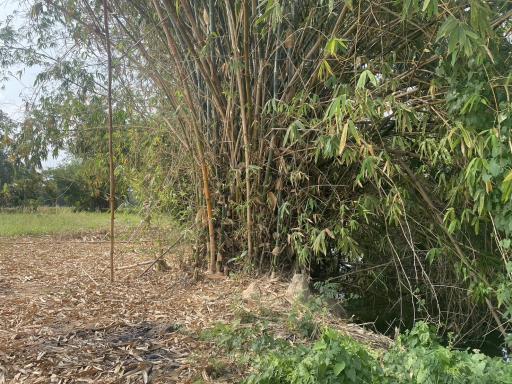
(82, 182)
(24, 184)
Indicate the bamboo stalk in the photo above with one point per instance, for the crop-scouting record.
(112, 198)
(198, 137)
(245, 129)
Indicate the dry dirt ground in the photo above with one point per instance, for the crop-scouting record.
(62, 321)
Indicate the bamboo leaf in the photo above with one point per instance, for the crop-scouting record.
(362, 80)
(319, 245)
(506, 187)
(343, 139)
(272, 200)
(329, 233)
(292, 133)
(364, 77)
(335, 46)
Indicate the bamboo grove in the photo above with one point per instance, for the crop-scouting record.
(313, 133)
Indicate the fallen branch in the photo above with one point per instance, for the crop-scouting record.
(89, 276)
(163, 254)
(135, 265)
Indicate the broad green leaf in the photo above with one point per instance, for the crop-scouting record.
(339, 367)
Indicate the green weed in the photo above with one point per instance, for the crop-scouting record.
(416, 358)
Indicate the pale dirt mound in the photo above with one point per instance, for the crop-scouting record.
(61, 321)
(281, 296)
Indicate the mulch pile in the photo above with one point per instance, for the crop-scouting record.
(62, 321)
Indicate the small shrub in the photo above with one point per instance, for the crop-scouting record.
(334, 358)
(328, 290)
(302, 319)
(416, 358)
(419, 358)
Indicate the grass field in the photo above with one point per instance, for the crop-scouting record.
(48, 221)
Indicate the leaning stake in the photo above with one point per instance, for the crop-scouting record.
(112, 197)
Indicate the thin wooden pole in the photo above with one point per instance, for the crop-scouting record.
(112, 197)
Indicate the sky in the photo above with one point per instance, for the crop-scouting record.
(17, 89)
(11, 96)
